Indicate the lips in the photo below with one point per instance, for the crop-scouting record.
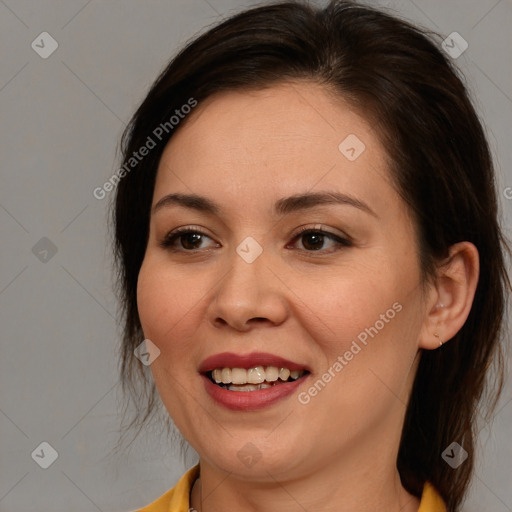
(252, 360)
(250, 397)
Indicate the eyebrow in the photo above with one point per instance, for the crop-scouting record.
(283, 206)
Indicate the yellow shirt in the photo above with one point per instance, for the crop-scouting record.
(177, 498)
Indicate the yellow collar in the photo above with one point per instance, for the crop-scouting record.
(177, 499)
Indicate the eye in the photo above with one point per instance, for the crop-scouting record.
(313, 239)
(190, 239)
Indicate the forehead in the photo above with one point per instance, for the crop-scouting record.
(288, 119)
(288, 138)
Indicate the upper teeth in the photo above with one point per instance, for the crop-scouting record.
(255, 375)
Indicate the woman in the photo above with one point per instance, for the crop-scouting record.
(307, 239)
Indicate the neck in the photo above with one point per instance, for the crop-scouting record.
(325, 490)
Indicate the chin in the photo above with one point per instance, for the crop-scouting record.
(251, 458)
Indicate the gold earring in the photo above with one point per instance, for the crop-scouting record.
(437, 336)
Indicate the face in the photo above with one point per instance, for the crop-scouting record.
(340, 302)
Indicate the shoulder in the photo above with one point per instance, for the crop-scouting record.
(177, 498)
(431, 501)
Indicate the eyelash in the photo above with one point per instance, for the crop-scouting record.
(169, 240)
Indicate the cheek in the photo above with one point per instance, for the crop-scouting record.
(370, 319)
(347, 304)
(150, 305)
(166, 311)
(163, 301)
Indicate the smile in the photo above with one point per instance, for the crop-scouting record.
(248, 382)
(253, 379)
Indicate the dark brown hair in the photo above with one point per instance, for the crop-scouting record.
(396, 75)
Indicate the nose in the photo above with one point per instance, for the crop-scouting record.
(249, 294)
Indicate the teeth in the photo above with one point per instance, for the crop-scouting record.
(217, 375)
(225, 375)
(271, 374)
(249, 387)
(238, 376)
(255, 375)
(294, 374)
(284, 373)
(255, 378)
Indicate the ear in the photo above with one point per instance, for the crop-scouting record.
(451, 296)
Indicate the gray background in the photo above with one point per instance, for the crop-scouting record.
(61, 119)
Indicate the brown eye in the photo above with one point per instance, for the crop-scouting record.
(314, 240)
(190, 240)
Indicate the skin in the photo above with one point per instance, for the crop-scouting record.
(245, 150)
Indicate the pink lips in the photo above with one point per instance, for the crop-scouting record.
(231, 360)
(249, 400)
